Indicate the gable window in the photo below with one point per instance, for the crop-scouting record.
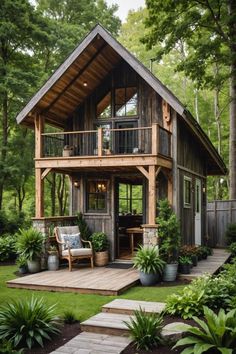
(187, 192)
(126, 102)
(96, 196)
(104, 107)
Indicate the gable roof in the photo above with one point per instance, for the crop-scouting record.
(92, 60)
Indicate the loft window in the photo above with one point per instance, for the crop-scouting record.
(97, 196)
(187, 192)
(104, 107)
(126, 102)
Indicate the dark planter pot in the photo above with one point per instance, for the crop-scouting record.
(170, 272)
(148, 279)
(204, 256)
(34, 266)
(22, 270)
(185, 268)
(194, 260)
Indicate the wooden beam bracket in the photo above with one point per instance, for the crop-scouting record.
(143, 171)
(45, 172)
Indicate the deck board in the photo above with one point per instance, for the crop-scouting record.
(99, 280)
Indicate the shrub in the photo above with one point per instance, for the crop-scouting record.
(69, 317)
(145, 329)
(185, 260)
(217, 332)
(147, 260)
(83, 227)
(7, 248)
(230, 234)
(6, 347)
(21, 261)
(11, 224)
(28, 322)
(29, 243)
(232, 249)
(99, 241)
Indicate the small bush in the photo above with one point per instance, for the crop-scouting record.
(7, 248)
(6, 347)
(232, 249)
(230, 234)
(69, 317)
(99, 241)
(146, 329)
(11, 224)
(83, 227)
(27, 323)
(216, 333)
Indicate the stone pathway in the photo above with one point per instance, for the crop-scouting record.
(106, 332)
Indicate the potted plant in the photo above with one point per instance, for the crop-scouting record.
(190, 251)
(29, 244)
(169, 239)
(53, 258)
(149, 264)
(100, 246)
(21, 262)
(185, 264)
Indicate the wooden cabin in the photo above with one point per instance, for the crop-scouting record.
(125, 141)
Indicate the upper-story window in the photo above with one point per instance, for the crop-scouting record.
(126, 101)
(104, 107)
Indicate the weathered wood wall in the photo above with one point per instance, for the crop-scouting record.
(220, 213)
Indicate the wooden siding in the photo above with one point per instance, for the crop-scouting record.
(220, 213)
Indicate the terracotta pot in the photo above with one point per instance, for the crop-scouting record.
(101, 258)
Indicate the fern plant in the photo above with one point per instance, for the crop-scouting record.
(217, 334)
(28, 322)
(145, 329)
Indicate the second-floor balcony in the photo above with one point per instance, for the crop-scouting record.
(153, 140)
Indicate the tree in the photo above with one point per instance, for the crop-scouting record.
(208, 27)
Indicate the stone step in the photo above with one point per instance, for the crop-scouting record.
(94, 343)
(113, 324)
(127, 307)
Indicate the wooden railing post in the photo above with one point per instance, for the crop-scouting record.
(39, 183)
(99, 141)
(155, 139)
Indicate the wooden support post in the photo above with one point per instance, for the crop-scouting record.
(155, 139)
(39, 193)
(39, 129)
(99, 141)
(170, 190)
(152, 196)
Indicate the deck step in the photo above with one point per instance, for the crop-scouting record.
(94, 343)
(127, 307)
(113, 324)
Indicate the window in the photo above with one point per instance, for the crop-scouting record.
(97, 196)
(187, 192)
(104, 107)
(126, 102)
(130, 199)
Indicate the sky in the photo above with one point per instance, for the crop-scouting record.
(125, 6)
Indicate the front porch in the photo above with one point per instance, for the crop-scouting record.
(100, 280)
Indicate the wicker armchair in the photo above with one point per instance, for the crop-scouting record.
(71, 245)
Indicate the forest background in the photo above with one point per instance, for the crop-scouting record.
(36, 37)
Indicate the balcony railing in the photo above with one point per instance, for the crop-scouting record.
(143, 140)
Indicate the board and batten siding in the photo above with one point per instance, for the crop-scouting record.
(220, 213)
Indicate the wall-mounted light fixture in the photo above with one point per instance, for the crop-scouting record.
(85, 84)
(76, 184)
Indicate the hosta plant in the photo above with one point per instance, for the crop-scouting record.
(217, 334)
(145, 329)
(147, 260)
(28, 322)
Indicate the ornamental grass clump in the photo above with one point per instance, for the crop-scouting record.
(145, 329)
(147, 260)
(28, 322)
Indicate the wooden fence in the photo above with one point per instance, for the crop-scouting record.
(220, 213)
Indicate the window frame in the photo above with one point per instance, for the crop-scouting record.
(87, 193)
(187, 204)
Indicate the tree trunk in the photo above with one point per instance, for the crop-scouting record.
(53, 194)
(4, 143)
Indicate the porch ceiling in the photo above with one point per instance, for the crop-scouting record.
(90, 67)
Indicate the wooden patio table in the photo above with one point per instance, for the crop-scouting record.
(131, 232)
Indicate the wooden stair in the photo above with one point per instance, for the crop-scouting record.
(128, 307)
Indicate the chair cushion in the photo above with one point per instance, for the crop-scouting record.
(78, 252)
(73, 240)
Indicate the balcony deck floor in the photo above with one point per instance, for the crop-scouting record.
(99, 280)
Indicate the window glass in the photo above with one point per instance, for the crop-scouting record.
(187, 191)
(130, 199)
(104, 107)
(97, 196)
(126, 101)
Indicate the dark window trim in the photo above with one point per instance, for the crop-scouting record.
(96, 211)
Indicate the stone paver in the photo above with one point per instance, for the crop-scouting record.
(129, 306)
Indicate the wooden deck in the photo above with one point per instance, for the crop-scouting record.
(99, 280)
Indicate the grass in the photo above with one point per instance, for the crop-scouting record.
(83, 305)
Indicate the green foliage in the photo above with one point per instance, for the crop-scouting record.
(147, 260)
(99, 241)
(83, 227)
(7, 248)
(10, 224)
(217, 332)
(230, 234)
(185, 260)
(168, 232)
(28, 322)
(6, 347)
(21, 261)
(145, 329)
(29, 243)
(69, 317)
(232, 249)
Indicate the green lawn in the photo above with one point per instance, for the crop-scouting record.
(82, 305)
